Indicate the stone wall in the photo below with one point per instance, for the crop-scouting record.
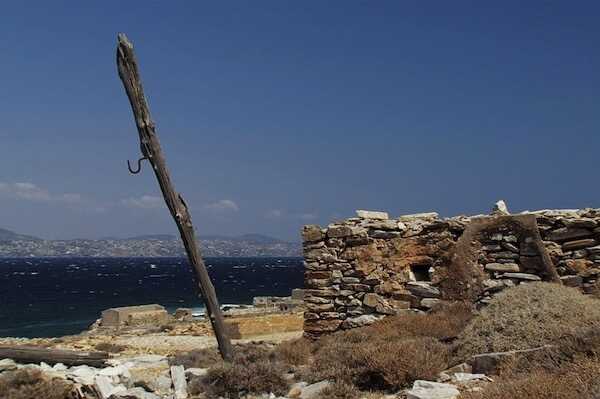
(366, 267)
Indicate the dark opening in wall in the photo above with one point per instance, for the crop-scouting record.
(421, 272)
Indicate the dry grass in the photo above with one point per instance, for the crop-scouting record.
(528, 316)
(200, 358)
(32, 384)
(339, 390)
(294, 352)
(578, 380)
(110, 347)
(255, 370)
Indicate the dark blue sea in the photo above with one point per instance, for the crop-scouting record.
(50, 297)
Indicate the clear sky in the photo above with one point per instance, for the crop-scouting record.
(275, 114)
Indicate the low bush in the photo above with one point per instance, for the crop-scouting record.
(339, 390)
(32, 384)
(578, 380)
(528, 316)
(109, 347)
(255, 370)
(294, 352)
(199, 358)
(379, 363)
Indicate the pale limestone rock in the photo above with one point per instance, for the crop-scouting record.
(432, 390)
(372, 215)
(179, 382)
(312, 391)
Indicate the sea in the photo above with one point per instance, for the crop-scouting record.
(52, 297)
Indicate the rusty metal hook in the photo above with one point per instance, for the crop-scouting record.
(139, 166)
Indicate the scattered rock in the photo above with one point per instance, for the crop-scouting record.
(432, 390)
(360, 321)
(487, 363)
(422, 289)
(502, 267)
(312, 391)
(7, 365)
(521, 276)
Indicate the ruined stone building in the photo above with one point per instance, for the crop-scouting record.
(369, 266)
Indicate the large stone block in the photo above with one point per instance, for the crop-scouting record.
(134, 315)
(377, 215)
(311, 233)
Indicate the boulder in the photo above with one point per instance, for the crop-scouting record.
(432, 390)
(105, 387)
(7, 365)
(422, 289)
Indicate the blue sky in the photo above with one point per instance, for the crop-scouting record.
(276, 114)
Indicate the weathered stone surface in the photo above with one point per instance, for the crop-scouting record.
(105, 387)
(429, 303)
(179, 382)
(311, 233)
(583, 223)
(510, 247)
(316, 300)
(317, 308)
(531, 263)
(321, 325)
(577, 244)
(383, 234)
(312, 391)
(424, 215)
(566, 234)
(340, 231)
(578, 265)
(432, 390)
(503, 255)
(487, 363)
(422, 289)
(572, 281)
(360, 321)
(521, 276)
(500, 208)
(377, 215)
(7, 365)
(502, 267)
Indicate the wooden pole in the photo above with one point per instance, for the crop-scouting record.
(151, 150)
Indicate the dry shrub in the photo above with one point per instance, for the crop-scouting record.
(32, 384)
(578, 380)
(339, 390)
(232, 380)
(528, 316)
(443, 322)
(110, 347)
(295, 352)
(199, 358)
(379, 364)
(254, 370)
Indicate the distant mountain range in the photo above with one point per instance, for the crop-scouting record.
(19, 245)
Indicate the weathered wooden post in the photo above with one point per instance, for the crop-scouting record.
(151, 151)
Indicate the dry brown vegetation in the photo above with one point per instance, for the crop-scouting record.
(109, 347)
(30, 384)
(528, 316)
(339, 390)
(576, 380)
(254, 370)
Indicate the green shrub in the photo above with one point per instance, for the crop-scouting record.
(527, 316)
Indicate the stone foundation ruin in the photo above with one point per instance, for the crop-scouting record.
(369, 266)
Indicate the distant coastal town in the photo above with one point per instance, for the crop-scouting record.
(16, 245)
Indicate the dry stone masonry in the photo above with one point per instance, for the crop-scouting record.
(369, 266)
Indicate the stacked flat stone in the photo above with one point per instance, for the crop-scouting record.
(364, 268)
